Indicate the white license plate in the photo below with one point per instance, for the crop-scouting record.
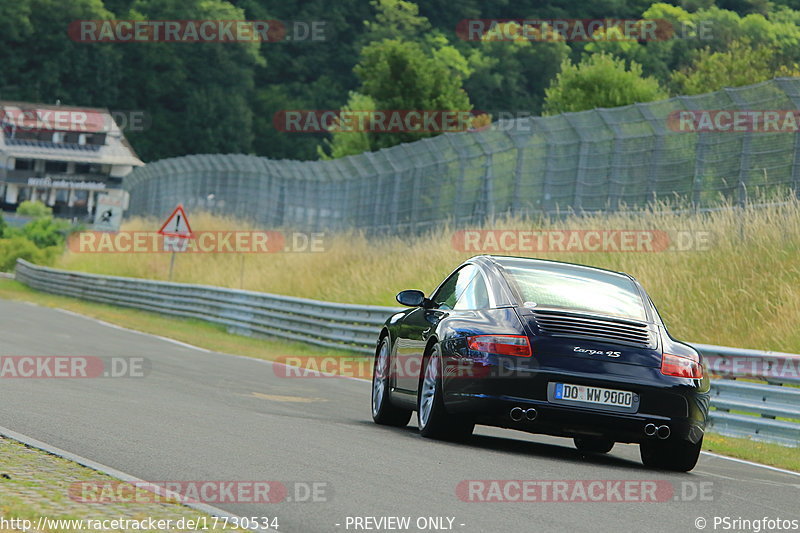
(586, 394)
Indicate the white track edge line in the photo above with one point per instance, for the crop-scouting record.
(184, 344)
(751, 463)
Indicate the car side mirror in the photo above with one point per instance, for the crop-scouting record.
(412, 298)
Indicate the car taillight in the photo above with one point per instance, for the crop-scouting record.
(516, 345)
(681, 366)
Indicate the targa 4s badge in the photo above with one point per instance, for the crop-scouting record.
(597, 352)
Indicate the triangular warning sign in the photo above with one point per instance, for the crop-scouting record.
(177, 225)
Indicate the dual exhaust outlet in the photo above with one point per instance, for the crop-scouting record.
(530, 414)
(662, 432)
(518, 413)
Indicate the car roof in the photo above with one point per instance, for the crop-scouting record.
(506, 260)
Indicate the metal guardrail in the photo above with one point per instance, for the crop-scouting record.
(766, 405)
(333, 325)
(767, 411)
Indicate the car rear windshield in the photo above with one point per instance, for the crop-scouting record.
(575, 288)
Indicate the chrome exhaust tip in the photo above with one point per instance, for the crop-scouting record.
(531, 414)
(663, 432)
(516, 414)
(650, 430)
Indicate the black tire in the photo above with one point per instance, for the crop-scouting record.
(433, 419)
(383, 412)
(593, 444)
(678, 456)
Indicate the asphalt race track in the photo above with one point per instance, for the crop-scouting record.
(206, 416)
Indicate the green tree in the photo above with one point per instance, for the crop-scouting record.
(599, 80)
(198, 94)
(513, 75)
(395, 19)
(34, 209)
(346, 143)
(42, 64)
(705, 31)
(740, 65)
(402, 76)
(46, 231)
(18, 247)
(200, 88)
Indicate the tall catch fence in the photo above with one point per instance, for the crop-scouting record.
(598, 160)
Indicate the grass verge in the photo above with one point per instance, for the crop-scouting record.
(728, 277)
(35, 484)
(759, 452)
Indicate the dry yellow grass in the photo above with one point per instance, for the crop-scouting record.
(742, 291)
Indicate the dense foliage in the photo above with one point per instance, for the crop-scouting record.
(40, 240)
(221, 97)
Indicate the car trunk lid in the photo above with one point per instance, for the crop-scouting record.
(557, 333)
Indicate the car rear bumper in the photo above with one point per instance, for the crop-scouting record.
(563, 421)
(681, 405)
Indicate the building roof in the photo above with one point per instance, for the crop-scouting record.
(44, 117)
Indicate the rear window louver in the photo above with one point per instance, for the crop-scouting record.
(620, 331)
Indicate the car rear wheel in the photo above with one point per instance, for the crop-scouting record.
(383, 412)
(593, 444)
(434, 420)
(679, 455)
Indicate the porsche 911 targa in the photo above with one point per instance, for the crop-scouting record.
(542, 347)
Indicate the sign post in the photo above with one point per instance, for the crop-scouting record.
(176, 232)
(108, 214)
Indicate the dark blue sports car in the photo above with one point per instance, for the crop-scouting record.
(543, 347)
